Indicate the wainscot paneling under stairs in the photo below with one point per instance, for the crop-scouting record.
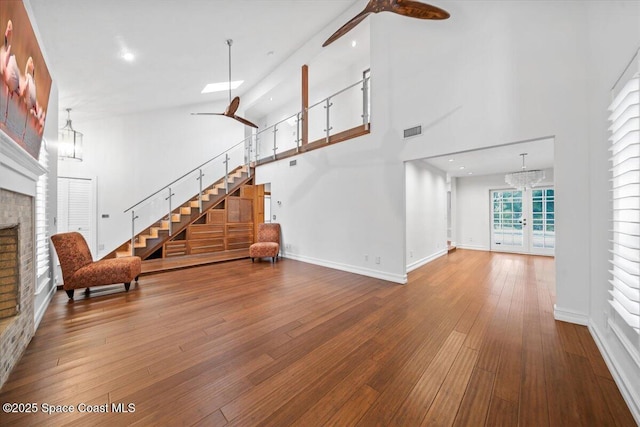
(223, 230)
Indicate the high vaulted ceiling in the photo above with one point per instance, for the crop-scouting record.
(179, 47)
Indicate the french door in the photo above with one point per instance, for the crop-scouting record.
(523, 221)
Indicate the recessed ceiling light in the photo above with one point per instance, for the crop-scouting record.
(354, 43)
(461, 167)
(128, 56)
(219, 87)
(451, 160)
(470, 173)
(271, 98)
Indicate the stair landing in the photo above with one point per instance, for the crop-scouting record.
(164, 264)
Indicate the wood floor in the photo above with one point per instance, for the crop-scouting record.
(470, 340)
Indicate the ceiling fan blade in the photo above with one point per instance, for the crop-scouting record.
(244, 121)
(416, 9)
(348, 26)
(233, 107)
(207, 114)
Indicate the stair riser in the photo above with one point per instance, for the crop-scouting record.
(181, 221)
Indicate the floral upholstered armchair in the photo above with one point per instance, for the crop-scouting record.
(80, 271)
(268, 244)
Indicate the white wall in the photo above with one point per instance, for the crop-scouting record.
(473, 225)
(135, 155)
(342, 207)
(426, 195)
(613, 38)
(488, 75)
(498, 72)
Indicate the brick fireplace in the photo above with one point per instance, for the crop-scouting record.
(18, 177)
(9, 269)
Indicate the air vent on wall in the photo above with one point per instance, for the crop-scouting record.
(414, 131)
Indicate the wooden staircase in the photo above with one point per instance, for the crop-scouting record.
(186, 220)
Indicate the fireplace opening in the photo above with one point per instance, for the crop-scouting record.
(9, 270)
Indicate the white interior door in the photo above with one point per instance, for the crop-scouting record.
(523, 221)
(77, 208)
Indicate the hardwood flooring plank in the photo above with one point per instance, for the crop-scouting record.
(569, 338)
(215, 419)
(470, 339)
(415, 406)
(502, 413)
(615, 402)
(312, 392)
(475, 404)
(351, 412)
(534, 407)
(507, 382)
(268, 396)
(592, 406)
(593, 354)
(324, 408)
(444, 408)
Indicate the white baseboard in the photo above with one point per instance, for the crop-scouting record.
(396, 278)
(426, 260)
(570, 316)
(621, 378)
(39, 311)
(473, 247)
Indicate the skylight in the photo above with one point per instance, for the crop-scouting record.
(218, 87)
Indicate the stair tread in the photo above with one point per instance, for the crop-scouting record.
(212, 193)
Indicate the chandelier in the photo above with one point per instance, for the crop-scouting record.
(525, 178)
(70, 144)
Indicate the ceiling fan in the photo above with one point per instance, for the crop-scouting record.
(233, 103)
(412, 9)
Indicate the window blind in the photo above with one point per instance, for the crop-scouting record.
(42, 232)
(625, 189)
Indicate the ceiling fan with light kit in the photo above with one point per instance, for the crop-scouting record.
(233, 103)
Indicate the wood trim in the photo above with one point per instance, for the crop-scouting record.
(164, 264)
(320, 143)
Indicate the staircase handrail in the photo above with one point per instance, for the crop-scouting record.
(276, 124)
(188, 173)
(364, 80)
(296, 114)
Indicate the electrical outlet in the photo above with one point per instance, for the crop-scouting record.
(410, 254)
(366, 257)
(101, 247)
(377, 260)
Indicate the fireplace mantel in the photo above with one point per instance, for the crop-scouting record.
(19, 171)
